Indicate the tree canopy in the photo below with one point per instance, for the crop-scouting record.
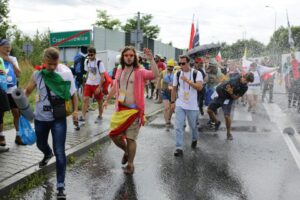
(104, 20)
(4, 25)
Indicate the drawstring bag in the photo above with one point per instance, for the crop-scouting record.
(26, 132)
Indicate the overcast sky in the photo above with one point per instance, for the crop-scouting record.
(219, 20)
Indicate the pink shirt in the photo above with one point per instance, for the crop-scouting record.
(140, 77)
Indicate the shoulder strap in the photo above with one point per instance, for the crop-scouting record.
(178, 75)
(49, 94)
(195, 75)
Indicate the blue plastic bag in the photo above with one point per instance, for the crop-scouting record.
(3, 82)
(26, 132)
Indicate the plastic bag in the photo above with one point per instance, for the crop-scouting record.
(26, 132)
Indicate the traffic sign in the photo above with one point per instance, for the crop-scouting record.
(71, 38)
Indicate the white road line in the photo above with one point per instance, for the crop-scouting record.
(242, 114)
(280, 118)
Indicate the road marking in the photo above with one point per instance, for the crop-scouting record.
(281, 119)
(242, 115)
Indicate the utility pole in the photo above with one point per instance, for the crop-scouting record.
(137, 44)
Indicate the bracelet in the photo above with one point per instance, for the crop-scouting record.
(172, 102)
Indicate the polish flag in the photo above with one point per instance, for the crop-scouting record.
(219, 57)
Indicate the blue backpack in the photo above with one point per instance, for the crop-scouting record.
(79, 64)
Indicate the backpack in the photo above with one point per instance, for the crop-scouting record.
(79, 64)
(194, 77)
(108, 80)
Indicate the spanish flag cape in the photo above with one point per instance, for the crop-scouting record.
(122, 119)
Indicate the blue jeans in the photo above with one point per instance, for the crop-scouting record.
(59, 131)
(192, 116)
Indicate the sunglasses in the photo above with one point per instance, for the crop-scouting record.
(128, 55)
(181, 63)
(91, 54)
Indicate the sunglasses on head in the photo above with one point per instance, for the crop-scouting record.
(182, 63)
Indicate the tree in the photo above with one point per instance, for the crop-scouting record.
(150, 31)
(279, 41)
(105, 21)
(4, 10)
(236, 50)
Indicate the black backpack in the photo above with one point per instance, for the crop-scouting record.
(178, 75)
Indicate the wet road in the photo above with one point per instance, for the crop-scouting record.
(257, 164)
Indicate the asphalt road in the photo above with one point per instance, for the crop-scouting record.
(257, 164)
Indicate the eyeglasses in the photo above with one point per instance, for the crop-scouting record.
(170, 68)
(128, 55)
(181, 63)
(91, 54)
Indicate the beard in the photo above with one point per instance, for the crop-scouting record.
(128, 64)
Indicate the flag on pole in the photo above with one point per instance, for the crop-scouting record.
(192, 35)
(196, 39)
(219, 57)
(291, 40)
(245, 52)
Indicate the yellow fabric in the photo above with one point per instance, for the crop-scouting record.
(69, 108)
(118, 118)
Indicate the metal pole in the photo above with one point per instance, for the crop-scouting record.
(137, 44)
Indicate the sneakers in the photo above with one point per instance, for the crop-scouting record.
(18, 141)
(45, 160)
(2, 141)
(217, 126)
(60, 193)
(178, 152)
(194, 144)
(81, 119)
(229, 136)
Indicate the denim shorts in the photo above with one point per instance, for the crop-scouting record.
(219, 102)
(166, 95)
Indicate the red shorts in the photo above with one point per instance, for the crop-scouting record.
(89, 91)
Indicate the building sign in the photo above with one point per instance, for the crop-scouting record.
(71, 38)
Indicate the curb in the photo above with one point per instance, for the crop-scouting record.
(78, 150)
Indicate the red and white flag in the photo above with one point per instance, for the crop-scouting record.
(219, 57)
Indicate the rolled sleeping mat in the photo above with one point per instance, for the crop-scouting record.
(23, 104)
(4, 103)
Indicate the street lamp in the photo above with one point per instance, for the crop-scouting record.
(275, 13)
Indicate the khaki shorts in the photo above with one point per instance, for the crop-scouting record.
(133, 130)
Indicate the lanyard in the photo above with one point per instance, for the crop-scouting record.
(184, 81)
(127, 79)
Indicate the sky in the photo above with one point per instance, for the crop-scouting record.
(218, 20)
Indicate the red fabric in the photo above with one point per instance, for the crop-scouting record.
(192, 36)
(198, 60)
(266, 76)
(219, 57)
(107, 82)
(161, 66)
(295, 65)
(89, 91)
(125, 125)
(39, 68)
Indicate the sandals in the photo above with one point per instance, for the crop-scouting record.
(127, 170)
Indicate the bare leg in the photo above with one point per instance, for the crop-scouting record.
(166, 111)
(100, 103)
(85, 105)
(16, 115)
(131, 148)
(212, 115)
(228, 126)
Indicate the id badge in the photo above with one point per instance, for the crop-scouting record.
(226, 101)
(121, 98)
(186, 96)
(37, 98)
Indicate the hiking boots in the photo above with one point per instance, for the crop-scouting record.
(45, 160)
(2, 141)
(60, 193)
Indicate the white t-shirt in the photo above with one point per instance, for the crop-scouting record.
(94, 76)
(187, 95)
